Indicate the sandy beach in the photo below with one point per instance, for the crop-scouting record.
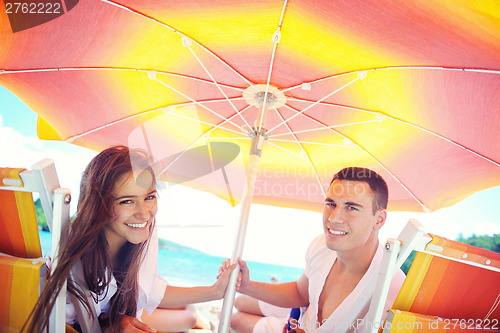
(208, 315)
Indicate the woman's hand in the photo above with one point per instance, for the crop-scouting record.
(128, 324)
(243, 276)
(223, 277)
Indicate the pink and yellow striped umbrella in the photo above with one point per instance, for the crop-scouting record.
(410, 89)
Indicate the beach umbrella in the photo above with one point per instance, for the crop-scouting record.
(410, 89)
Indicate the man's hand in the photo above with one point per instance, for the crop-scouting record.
(243, 277)
(297, 330)
(294, 325)
(127, 324)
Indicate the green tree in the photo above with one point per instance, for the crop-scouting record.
(40, 216)
(406, 265)
(487, 242)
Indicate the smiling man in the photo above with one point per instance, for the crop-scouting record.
(341, 264)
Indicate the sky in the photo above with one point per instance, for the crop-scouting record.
(203, 221)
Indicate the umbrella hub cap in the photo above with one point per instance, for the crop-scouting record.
(269, 98)
(258, 94)
(255, 132)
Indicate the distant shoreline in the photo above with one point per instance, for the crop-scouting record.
(185, 266)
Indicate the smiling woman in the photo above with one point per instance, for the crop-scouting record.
(134, 209)
(103, 254)
(107, 259)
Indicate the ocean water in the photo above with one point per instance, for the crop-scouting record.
(180, 265)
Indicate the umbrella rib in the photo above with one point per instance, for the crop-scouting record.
(295, 99)
(400, 120)
(218, 86)
(284, 149)
(203, 122)
(477, 70)
(317, 102)
(424, 207)
(312, 143)
(276, 40)
(228, 138)
(61, 69)
(196, 102)
(204, 135)
(74, 137)
(447, 140)
(300, 143)
(217, 100)
(133, 11)
(323, 128)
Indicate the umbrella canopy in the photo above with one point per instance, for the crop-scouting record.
(409, 89)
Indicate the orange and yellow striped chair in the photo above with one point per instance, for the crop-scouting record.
(408, 322)
(22, 268)
(20, 280)
(450, 287)
(18, 224)
(452, 280)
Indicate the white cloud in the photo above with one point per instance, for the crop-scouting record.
(22, 151)
(486, 227)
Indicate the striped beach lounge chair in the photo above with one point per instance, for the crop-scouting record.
(450, 287)
(22, 267)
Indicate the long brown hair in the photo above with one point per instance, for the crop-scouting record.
(87, 242)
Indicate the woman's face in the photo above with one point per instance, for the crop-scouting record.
(134, 209)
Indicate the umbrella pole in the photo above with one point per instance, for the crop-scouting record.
(258, 139)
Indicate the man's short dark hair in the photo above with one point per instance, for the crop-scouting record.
(374, 180)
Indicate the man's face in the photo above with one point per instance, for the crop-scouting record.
(348, 219)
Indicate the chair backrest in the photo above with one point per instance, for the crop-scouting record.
(20, 280)
(22, 271)
(409, 322)
(455, 282)
(18, 224)
(452, 280)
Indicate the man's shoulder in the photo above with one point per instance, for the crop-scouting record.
(317, 243)
(318, 250)
(318, 256)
